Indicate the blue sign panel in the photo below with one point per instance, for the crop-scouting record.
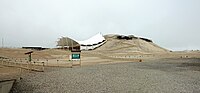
(76, 56)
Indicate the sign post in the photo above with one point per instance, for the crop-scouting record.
(29, 59)
(29, 56)
(76, 56)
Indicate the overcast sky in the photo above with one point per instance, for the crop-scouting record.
(172, 24)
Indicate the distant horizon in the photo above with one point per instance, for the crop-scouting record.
(174, 49)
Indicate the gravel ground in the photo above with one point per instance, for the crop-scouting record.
(158, 76)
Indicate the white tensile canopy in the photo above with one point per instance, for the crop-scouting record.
(98, 38)
(88, 44)
(66, 41)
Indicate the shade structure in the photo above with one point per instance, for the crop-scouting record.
(89, 44)
(93, 42)
(66, 41)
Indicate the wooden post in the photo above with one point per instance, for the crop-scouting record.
(2, 61)
(43, 66)
(27, 65)
(57, 63)
(21, 64)
(80, 60)
(31, 65)
(34, 65)
(47, 62)
(71, 63)
(15, 62)
(20, 72)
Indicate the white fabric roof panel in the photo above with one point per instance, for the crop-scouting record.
(93, 40)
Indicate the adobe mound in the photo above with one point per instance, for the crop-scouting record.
(121, 44)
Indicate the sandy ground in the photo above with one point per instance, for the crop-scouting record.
(8, 72)
(165, 70)
(60, 58)
(169, 75)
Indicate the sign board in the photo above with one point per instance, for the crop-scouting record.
(29, 55)
(76, 56)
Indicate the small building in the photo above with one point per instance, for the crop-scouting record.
(34, 48)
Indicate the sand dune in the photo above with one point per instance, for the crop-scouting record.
(136, 44)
